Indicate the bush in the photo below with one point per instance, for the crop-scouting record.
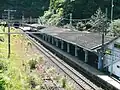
(45, 17)
(54, 20)
(32, 63)
(2, 84)
(80, 26)
(3, 65)
(35, 81)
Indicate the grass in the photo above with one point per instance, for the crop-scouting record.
(24, 70)
(14, 77)
(15, 71)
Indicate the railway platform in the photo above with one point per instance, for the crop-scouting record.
(96, 76)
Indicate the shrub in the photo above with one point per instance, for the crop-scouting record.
(32, 63)
(45, 17)
(51, 70)
(35, 80)
(80, 26)
(2, 84)
(3, 65)
(63, 82)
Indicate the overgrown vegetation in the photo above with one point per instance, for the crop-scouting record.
(32, 63)
(25, 70)
(114, 28)
(15, 71)
(96, 23)
(54, 14)
(29, 8)
(80, 8)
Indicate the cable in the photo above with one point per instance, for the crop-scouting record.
(77, 19)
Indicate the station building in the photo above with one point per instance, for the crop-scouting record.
(86, 46)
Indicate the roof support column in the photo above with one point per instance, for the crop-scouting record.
(52, 40)
(86, 56)
(76, 49)
(45, 37)
(100, 64)
(68, 47)
(48, 38)
(62, 47)
(56, 42)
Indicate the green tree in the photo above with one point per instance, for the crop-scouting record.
(114, 28)
(98, 21)
(79, 8)
(55, 12)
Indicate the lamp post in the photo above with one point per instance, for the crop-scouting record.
(71, 17)
(112, 6)
(9, 11)
(71, 21)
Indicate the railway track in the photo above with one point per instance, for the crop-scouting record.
(78, 78)
(50, 80)
(115, 79)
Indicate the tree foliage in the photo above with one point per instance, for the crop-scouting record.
(98, 21)
(114, 28)
(29, 8)
(54, 14)
(79, 8)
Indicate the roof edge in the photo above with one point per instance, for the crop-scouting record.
(105, 43)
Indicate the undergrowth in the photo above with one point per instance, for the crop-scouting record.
(24, 71)
(15, 72)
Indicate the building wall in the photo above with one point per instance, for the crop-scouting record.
(112, 58)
